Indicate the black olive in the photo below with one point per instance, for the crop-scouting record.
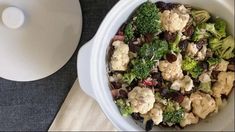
(149, 125)
(171, 57)
(162, 5)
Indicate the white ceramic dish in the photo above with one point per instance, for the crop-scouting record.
(92, 72)
(44, 43)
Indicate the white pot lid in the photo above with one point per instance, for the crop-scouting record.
(45, 41)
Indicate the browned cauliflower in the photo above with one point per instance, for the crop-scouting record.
(202, 104)
(224, 84)
(141, 99)
(120, 58)
(222, 66)
(156, 114)
(189, 118)
(171, 71)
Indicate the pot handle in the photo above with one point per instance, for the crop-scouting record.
(83, 68)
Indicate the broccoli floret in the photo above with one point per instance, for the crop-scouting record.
(190, 65)
(171, 115)
(223, 48)
(148, 18)
(200, 16)
(200, 33)
(156, 50)
(220, 26)
(128, 77)
(196, 71)
(129, 32)
(205, 87)
(124, 108)
(141, 69)
(213, 61)
(174, 46)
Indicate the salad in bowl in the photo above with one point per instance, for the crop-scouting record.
(171, 65)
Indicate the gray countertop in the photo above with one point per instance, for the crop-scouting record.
(33, 105)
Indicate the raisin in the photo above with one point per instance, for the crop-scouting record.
(215, 74)
(204, 65)
(177, 96)
(123, 94)
(149, 125)
(170, 37)
(137, 116)
(231, 67)
(133, 47)
(189, 31)
(116, 85)
(162, 5)
(171, 57)
(148, 38)
(200, 43)
(183, 45)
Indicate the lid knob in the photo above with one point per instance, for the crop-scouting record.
(13, 17)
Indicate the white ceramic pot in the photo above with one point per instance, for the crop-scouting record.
(92, 66)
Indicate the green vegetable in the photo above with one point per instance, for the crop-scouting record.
(200, 33)
(148, 18)
(188, 64)
(129, 32)
(124, 108)
(196, 71)
(220, 26)
(213, 61)
(141, 69)
(156, 50)
(205, 87)
(171, 115)
(223, 48)
(129, 77)
(175, 45)
(200, 16)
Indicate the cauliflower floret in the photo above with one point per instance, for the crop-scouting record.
(192, 49)
(186, 104)
(224, 84)
(188, 119)
(175, 20)
(156, 114)
(186, 84)
(202, 104)
(115, 77)
(204, 77)
(222, 66)
(201, 55)
(171, 71)
(120, 58)
(141, 99)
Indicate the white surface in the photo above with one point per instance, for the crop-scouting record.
(45, 42)
(96, 68)
(13, 17)
(79, 112)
